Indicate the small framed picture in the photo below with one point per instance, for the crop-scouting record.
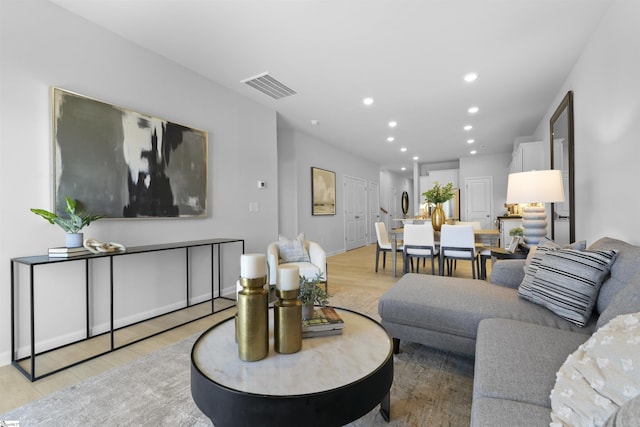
(513, 244)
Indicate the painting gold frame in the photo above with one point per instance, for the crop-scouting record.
(323, 192)
(119, 163)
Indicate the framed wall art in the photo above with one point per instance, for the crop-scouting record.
(323, 192)
(125, 164)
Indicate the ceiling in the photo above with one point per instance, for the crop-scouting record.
(409, 56)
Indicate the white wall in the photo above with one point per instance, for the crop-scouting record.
(297, 153)
(607, 127)
(494, 165)
(43, 46)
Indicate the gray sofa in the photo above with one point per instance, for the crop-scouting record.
(518, 345)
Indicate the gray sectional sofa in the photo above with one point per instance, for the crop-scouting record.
(518, 345)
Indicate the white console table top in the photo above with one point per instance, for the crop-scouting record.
(324, 363)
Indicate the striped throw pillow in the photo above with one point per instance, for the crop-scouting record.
(567, 281)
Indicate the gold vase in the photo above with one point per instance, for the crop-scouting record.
(252, 325)
(438, 217)
(288, 322)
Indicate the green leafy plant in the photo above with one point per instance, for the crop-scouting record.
(518, 231)
(439, 194)
(76, 220)
(311, 292)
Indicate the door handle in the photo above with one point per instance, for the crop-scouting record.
(357, 217)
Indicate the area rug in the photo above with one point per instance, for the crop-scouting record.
(430, 388)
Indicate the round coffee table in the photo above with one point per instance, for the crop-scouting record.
(332, 381)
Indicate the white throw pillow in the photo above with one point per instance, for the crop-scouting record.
(600, 376)
(293, 250)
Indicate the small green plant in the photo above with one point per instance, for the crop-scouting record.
(518, 231)
(439, 194)
(76, 220)
(311, 292)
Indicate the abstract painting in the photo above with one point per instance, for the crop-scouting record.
(124, 164)
(323, 192)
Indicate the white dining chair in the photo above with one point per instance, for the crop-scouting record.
(457, 242)
(419, 243)
(383, 244)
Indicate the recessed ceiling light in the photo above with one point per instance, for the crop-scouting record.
(403, 149)
(470, 141)
(367, 101)
(472, 152)
(473, 110)
(403, 168)
(468, 127)
(391, 139)
(393, 124)
(470, 77)
(415, 157)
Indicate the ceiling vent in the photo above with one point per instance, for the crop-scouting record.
(269, 86)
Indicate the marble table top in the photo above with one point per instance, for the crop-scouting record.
(324, 363)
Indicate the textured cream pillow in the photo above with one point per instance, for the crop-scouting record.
(600, 376)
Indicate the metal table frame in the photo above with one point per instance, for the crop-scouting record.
(33, 261)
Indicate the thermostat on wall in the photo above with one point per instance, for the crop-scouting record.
(261, 184)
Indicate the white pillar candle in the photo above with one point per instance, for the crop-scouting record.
(253, 266)
(288, 278)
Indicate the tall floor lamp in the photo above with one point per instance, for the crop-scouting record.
(535, 188)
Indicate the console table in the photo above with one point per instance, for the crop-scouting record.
(32, 261)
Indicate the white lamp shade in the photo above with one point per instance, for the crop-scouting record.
(543, 186)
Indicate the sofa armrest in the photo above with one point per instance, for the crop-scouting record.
(508, 273)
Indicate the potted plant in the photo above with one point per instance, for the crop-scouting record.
(72, 225)
(312, 293)
(518, 231)
(438, 195)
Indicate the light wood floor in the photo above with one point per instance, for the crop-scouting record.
(353, 268)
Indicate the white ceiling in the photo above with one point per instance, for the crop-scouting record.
(410, 56)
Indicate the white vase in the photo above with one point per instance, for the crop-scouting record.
(74, 240)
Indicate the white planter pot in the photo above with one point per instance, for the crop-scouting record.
(74, 240)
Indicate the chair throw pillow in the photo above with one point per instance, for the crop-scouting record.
(600, 376)
(293, 250)
(567, 281)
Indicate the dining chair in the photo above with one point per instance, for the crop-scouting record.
(457, 242)
(419, 243)
(383, 244)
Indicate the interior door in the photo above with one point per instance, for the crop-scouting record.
(355, 202)
(479, 200)
(374, 210)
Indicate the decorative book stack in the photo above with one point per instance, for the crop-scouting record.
(64, 252)
(325, 321)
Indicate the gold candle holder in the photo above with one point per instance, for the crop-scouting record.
(288, 322)
(252, 325)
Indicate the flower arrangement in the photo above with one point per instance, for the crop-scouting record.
(439, 194)
(311, 292)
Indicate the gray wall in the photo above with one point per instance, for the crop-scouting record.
(43, 46)
(607, 125)
(297, 153)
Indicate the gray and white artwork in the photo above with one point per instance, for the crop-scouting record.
(123, 164)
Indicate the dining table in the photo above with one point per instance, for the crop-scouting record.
(489, 237)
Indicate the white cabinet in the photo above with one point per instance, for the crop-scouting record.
(527, 157)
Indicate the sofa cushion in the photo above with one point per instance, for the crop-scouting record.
(626, 301)
(518, 360)
(600, 376)
(455, 306)
(567, 281)
(487, 411)
(293, 250)
(626, 266)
